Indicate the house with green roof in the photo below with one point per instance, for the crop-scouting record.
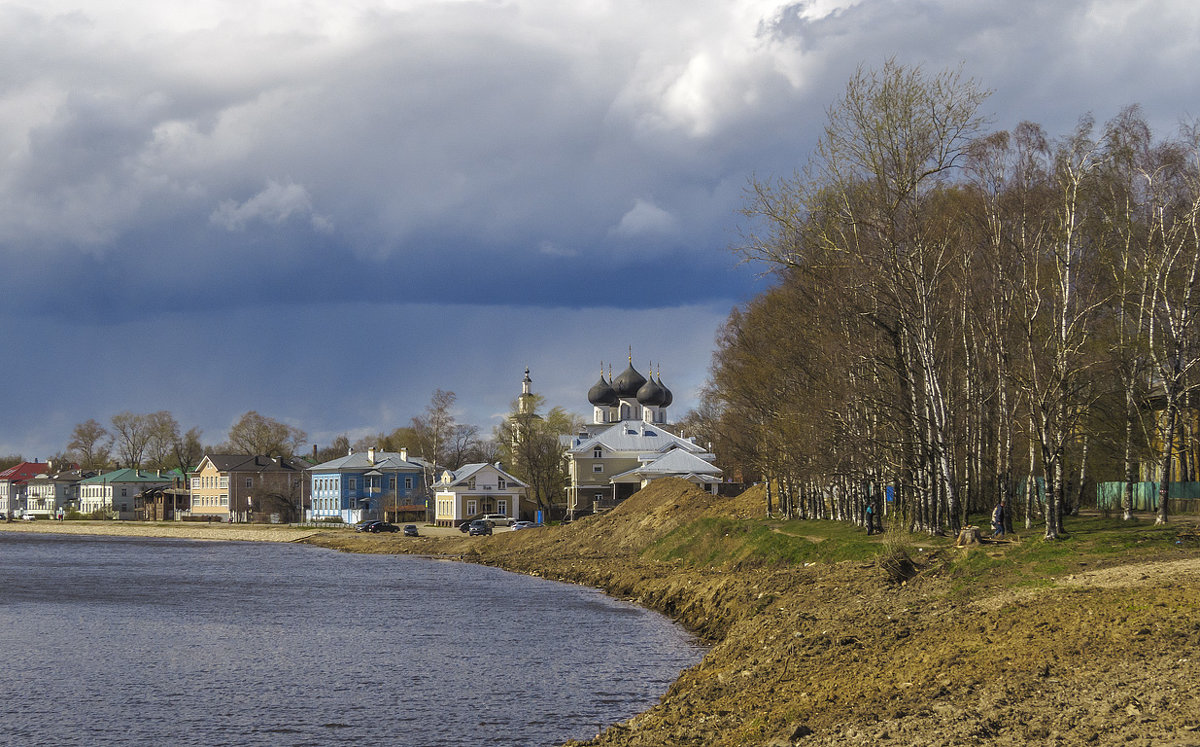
(113, 492)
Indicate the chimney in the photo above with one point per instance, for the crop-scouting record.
(404, 453)
(371, 455)
(314, 452)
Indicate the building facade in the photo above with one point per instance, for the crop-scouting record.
(14, 484)
(629, 444)
(53, 493)
(114, 493)
(367, 485)
(241, 488)
(476, 490)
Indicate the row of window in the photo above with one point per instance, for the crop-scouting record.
(330, 484)
(211, 500)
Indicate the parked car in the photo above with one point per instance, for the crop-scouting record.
(523, 525)
(410, 530)
(365, 525)
(463, 527)
(479, 527)
(498, 520)
(382, 526)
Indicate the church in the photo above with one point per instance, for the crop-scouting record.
(629, 443)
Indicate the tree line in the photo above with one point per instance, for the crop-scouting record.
(526, 443)
(964, 316)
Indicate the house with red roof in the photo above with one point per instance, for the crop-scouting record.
(14, 483)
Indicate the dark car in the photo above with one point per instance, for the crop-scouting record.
(463, 527)
(365, 526)
(479, 527)
(382, 526)
(410, 530)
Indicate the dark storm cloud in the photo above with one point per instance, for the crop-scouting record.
(550, 182)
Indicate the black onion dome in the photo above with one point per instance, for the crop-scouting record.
(601, 394)
(628, 383)
(668, 398)
(651, 394)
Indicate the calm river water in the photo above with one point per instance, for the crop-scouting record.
(111, 641)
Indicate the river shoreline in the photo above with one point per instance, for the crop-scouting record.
(841, 653)
(175, 530)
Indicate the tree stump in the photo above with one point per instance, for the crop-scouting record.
(968, 536)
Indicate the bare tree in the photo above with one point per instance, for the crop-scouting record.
(132, 434)
(256, 434)
(434, 430)
(164, 436)
(90, 445)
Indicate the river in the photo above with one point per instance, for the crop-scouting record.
(122, 641)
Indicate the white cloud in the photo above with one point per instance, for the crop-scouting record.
(645, 218)
(275, 205)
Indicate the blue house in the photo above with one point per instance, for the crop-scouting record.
(367, 485)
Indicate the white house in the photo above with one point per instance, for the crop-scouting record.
(47, 494)
(474, 490)
(114, 491)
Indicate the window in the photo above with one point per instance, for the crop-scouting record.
(500, 484)
(502, 507)
(224, 500)
(408, 483)
(597, 468)
(472, 508)
(392, 482)
(352, 483)
(597, 453)
(249, 482)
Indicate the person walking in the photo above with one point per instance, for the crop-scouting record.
(998, 520)
(870, 519)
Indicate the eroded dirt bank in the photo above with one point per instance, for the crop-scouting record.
(837, 654)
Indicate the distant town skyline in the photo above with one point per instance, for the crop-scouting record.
(325, 212)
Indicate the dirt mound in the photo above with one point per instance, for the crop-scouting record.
(629, 528)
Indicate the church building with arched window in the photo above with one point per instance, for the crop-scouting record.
(630, 443)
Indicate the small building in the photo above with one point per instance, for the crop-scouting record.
(369, 484)
(114, 493)
(474, 490)
(163, 503)
(14, 483)
(242, 488)
(52, 493)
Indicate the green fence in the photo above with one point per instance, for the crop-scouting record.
(1184, 496)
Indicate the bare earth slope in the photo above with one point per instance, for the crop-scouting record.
(836, 654)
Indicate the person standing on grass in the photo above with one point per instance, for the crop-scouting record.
(870, 519)
(998, 520)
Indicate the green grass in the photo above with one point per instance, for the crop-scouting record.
(1089, 543)
(715, 541)
(1024, 561)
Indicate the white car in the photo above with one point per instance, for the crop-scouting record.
(498, 519)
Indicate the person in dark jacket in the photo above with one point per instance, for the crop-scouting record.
(998, 520)
(870, 519)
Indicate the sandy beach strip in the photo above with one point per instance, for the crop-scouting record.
(176, 530)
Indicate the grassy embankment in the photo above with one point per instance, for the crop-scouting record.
(817, 638)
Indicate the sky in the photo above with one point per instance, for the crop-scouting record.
(326, 210)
